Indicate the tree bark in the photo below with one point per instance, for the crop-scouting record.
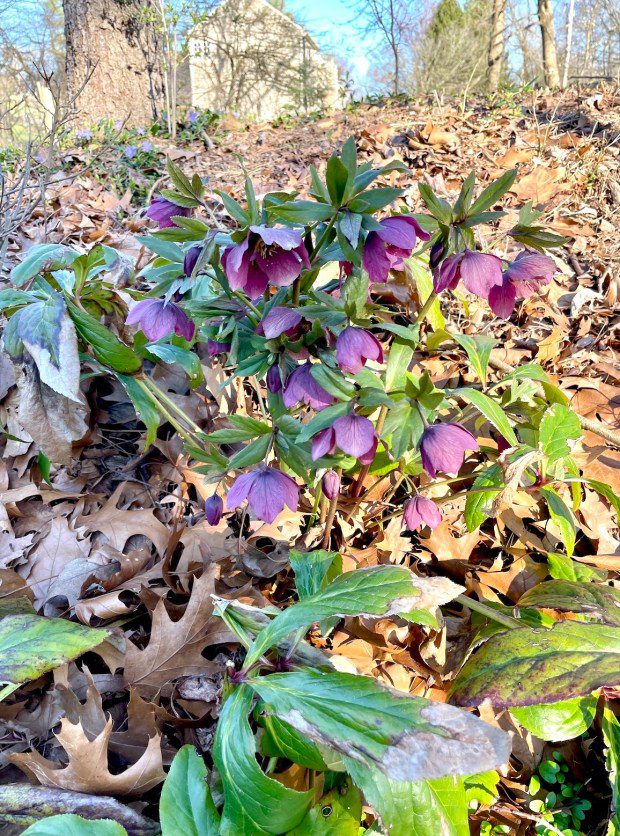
(549, 54)
(113, 71)
(569, 42)
(496, 45)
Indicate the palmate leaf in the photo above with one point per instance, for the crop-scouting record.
(253, 802)
(406, 738)
(375, 591)
(536, 666)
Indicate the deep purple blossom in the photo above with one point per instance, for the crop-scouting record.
(158, 318)
(523, 277)
(421, 511)
(214, 506)
(386, 248)
(443, 448)
(267, 491)
(191, 259)
(214, 347)
(267, 255)
(479, 272)
(331, 484)
(162, 211)
(274, 379)
(354, 346)
(279, 320)
(353, 434)
(301, 387)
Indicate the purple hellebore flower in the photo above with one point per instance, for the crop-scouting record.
(214, 347)
(302, 387)
(479, 272)
(130, 152)
(523, 277)
(267, 255)
(214, 506)
(331, 484)
(421, 511)
(354, 346)
(162, 211)
(386, 248)
(443, 448)
(191, 259)
(279, 320)
(274, 379)
(353, 434)
(267, 490)
(158, 318)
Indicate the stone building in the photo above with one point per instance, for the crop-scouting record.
(249, 58)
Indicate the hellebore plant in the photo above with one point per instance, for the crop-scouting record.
(287, 296)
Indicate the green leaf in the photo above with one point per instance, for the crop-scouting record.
(40, 324)
(465, 197)
(406, 738)
(179, 199)
(166, 249)
(144, 406)
(374, 199)
(234, 209)
(423, 279)
(561, 515)
(478, 501)
(597, 601)
(355, 294)
(373, 591)
(611, 735)
(560, 720)
(558, 424)
(31, 645)
(171, 354)
(338, 813)
(563, 567)
(399, 358)
(303, 211)
(332, 381)
(43, 258)
(606, 491)
(491, 410)
(15, 298)
(336, 177)
(423, 808)
(242, 430)
(493, 192)
(279, 740)
(72, 825)
(253, 802)
(478, 350)
(534, 666)
(186, 805)
(437, 206)
(107, 348)
(252, 453)
(312, 569)
(404, 425)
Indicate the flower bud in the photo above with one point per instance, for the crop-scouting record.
(331, 484)
(436, 254)
(274, 379)
(214, 506)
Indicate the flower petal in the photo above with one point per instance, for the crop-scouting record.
(355, 434)
(502, 298)
(480, 272)
(287, 239)
(240, 489)
(375, 260)
(278, 321)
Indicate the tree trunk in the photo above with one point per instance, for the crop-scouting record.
(549, 54)
(113, 71)
(496, 45)
(569, 42)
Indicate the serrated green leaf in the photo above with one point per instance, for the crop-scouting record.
(478, 350)
(558, 721)
(491, 410)
(303, 211)
(558, 424)
(312, 569)
(478, 500)
(561, 515)
(493, 192)
(186, 805)
(70, 824)
(107, 348)
(189, 362)
(45, 257)
(597, 601)
(252, 453)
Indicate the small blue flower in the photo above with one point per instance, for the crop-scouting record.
(192, 116)
(129, 151)
(147, 145)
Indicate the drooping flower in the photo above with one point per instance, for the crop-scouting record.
(274, 379)
(267, 491)
(279, 320)
(354, 346)
(158, 318)
(353, 434)
(521, 279)
(301, 387)
(191, 259)
(479, 272)
(214, 347)
(214, 506)
(330, 484)
(162, 211)
(443, 448)
(421, 511)
(386, 248)
(267, 255)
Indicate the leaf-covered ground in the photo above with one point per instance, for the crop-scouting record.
(117, 538)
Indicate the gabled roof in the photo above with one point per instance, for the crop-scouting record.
(268, 7)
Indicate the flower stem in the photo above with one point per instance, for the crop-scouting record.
(182, 431)
(489, 612)
(296, 290)
(359, 482)
(170, 404)
(319, 244)
(248, 304)
(421, 315)
(331, 513)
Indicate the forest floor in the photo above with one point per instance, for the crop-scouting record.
(132, 517)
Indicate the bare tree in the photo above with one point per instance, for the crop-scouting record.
(392, 21)
(496, 44)
(549, 54)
